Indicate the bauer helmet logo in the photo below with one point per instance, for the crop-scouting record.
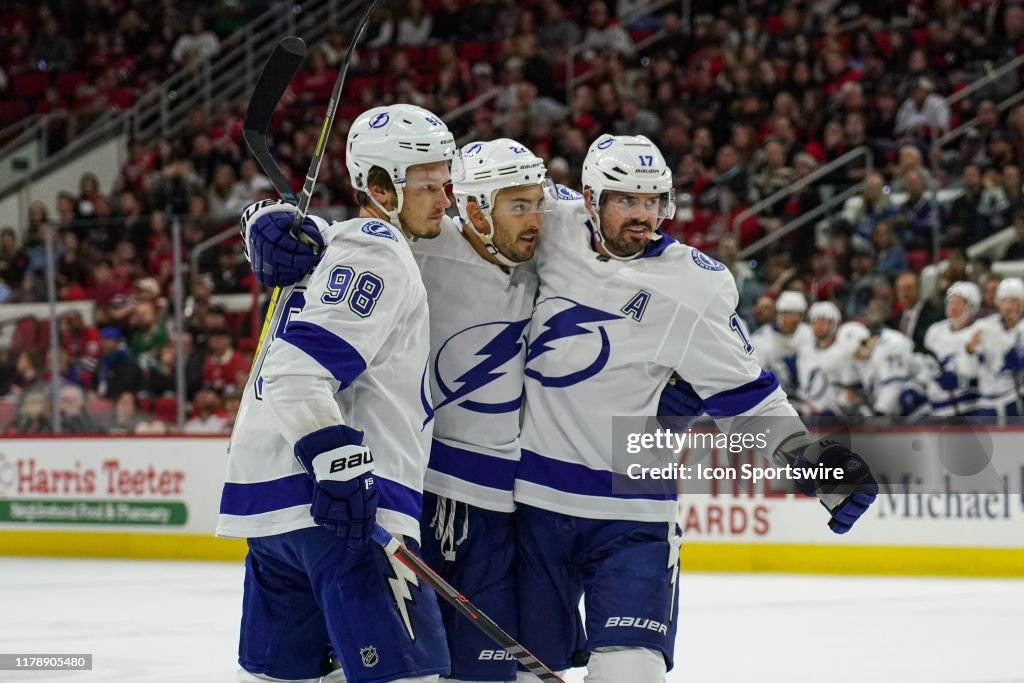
(380, 120)
(369, 656)
(606, 143)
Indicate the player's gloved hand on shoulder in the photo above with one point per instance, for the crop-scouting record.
(277, 259)
(679, 403)
(344, 493)
(845, 498)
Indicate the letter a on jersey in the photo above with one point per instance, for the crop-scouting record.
(637, 305)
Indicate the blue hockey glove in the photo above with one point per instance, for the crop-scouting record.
(948, 380)
(845, 498)
(1014, 360)
(678, 400)
(344, 493)
(277, 259)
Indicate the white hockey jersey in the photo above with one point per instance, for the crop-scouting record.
(947, 348)
(478, 319)
(777, 352)
(348, 344)
(829, 384)
(605, 337)
(889, 375)
(997, 386)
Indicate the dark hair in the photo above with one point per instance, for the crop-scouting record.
(377, 177)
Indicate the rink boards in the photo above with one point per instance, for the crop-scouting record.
(157, 498)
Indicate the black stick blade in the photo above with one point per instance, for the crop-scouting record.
(277, 73)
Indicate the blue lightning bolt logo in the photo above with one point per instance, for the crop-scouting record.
(501, 349)
(564, 324)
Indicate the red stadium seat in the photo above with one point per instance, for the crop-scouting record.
(30, 84)
(68, 81)
(917, 259)
(99, 407)
(474, 52)
(13, 110)
(166, 409)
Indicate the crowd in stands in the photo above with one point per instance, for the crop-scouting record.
(742, 105)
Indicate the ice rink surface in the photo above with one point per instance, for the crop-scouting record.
(176, 622)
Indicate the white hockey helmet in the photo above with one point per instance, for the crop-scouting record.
(966, 290)
(627, 163)
(827, 310)
(791, 302)
(482, 169)
(394, 138)
(1010, 288)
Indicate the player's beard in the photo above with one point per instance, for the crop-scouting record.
(512, 245)
(628, 242)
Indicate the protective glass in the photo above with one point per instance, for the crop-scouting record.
(522, 204)
(630, 205)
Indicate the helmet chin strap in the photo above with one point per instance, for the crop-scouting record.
(488, 239)
(393, 215)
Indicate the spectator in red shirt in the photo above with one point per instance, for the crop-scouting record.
(224, 366)
(81, 342)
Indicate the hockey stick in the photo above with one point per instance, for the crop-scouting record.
(277, 73)
(463, 606)
(325, 131)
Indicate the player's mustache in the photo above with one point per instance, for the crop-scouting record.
(639, 224)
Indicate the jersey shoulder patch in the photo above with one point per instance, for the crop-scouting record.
(379, 229)
(704, 261)
(567, 193)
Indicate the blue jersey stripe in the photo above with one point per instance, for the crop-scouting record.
(337, 356)
(266, 496)
(399, 498)
(741, 399)
(297, 489)
(580, 479)
(477, 468)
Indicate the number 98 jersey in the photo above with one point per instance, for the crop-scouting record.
(347, 345)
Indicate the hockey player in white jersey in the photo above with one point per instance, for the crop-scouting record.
(481, 287)
(888, 369)
(566, 489)
(953, 385)
(620, 309)
(776, 345)
(998, 347)
(828, 379)
(342, 370)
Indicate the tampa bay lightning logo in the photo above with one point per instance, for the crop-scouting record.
(378, 229)
(566, 364)
(472, 150)
(567, 193)
(380, 120)
(705, 261)
(606, 143)
(483, 356)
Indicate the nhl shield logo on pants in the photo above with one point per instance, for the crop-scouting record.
(369, 655)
